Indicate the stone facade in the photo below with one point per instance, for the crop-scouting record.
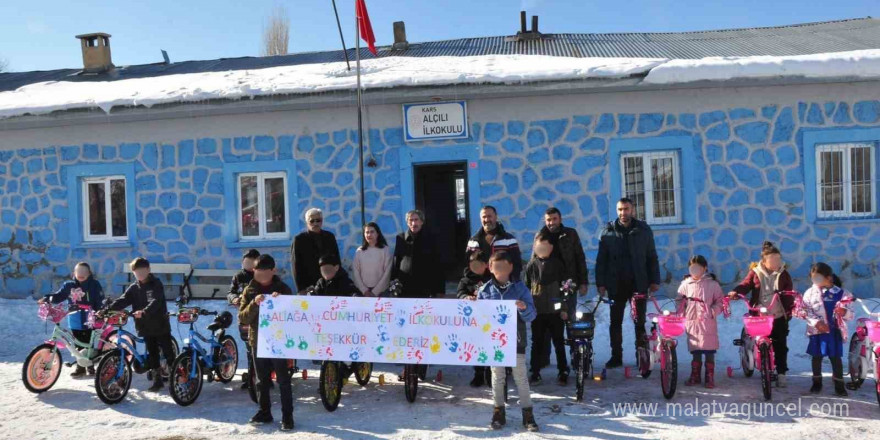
(748, 185)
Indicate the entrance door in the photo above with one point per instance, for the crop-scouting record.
(440, 192)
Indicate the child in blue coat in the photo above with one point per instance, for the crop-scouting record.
(826, 324)
(501, 287)
(85, 290)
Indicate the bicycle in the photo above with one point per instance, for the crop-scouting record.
(187, 375)
(580, 329)
(755, 344)
(864, 350)
(113, 375)
(412, 373)
(42, 366)
(660, 347)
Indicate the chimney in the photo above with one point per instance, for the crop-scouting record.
(96, 52)
(524, 34)
(400, 42)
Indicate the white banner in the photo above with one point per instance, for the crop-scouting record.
(389, 330)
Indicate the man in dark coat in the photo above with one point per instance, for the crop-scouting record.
(492, 238)
(308, 247)
(415, 260)
(627, 263)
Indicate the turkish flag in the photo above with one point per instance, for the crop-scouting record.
(364, 26)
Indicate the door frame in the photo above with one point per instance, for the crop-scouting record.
(410, 157)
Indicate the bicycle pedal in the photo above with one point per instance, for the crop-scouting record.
(70, 364)
(738, 342)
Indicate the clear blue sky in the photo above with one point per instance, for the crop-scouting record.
(38, 35)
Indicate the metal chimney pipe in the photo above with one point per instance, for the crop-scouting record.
(535, 24)
(522, 21)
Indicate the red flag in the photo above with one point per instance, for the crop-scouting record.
(364, 26)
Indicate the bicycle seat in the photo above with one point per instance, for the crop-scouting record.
(223, 320)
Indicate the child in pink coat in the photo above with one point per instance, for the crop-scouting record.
(702, 297)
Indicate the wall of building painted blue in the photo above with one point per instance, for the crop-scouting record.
(743, 168)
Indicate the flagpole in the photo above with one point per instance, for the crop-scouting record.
(341, 38)
(357, 52)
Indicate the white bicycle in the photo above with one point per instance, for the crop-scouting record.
(864, 351)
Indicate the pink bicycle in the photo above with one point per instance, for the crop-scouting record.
(660, 345)
(755, 345)
(864, 350)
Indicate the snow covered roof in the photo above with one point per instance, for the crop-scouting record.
(848, 49)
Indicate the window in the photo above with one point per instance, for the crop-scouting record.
(104, 209)
(846, 183)
(263, 209)
(652, 181)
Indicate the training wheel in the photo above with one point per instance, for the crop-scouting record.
(627, 373)
(381, 379)
(729, 371)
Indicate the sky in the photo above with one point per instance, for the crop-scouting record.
(39, 35)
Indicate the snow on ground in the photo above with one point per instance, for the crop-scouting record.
(46, 97)
(443, 410)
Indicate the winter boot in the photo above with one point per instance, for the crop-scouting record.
(261, 418)
(780, 380)
(78, 372)
(498, 418)
(529, 420)
(535, 378)
(695, 373)
(287, 423)
(817, 385)
(710, 375)
(839, 387)
(90, 371)
(614, 362)
(157, 381)
(562, 378)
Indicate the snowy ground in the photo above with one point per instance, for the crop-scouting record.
(444, 410)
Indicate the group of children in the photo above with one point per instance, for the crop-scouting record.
(489, 277)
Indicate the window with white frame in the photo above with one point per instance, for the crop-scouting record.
(652, 181)
(263, 209)
(104, 209)
(846, 180)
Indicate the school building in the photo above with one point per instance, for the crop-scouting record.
(103, 163)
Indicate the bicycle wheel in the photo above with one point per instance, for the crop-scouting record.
(41, 368)
(766, 371)
(410, 382)
(580, 372)
(745, 354)
(362, 372)
(330, 385)
(669, 372)
(227, 359)
(110, 385)
(856, 373)
(185, 389)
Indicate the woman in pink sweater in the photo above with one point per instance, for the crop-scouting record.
(371, 271)
(703, 299)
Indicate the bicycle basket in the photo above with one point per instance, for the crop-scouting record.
(118, 319)
(671, 325)
(873, 328)
(582, 328)
(758, 325)
(51, 312)
(188, 315)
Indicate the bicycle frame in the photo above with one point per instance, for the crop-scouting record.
(657, 340)
(84, 354)
(869, 353)
(126, 348)
(199, 353)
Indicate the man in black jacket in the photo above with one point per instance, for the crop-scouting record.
(415, 260)
(308, 247)
(627, 263)
(146, 296)
(492, 238)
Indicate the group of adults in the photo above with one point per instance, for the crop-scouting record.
(626, 262)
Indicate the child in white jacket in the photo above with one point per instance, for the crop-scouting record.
(826, 324)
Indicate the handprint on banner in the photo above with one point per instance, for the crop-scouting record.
(302, 343)
(503, 314)
(452, 343)
(487, 327)
(270, 305)
(276, 351)
(355, 354)
(279, 334)
(482, 357)
(465, 309)
(316, 327)
(290, 342)
(379, 350)
(435, 345)
(383, 334)
(338, 304)
(422, 309)
(499, 354)
(304, 305)
(468, 352)
(382, 305)
(415, 354)
(401, 318)
(500, 336)
(264, 321)
(327, 351)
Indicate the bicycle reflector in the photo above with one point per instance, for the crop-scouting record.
(187, 315)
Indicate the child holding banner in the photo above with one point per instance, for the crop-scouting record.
(475, 276)
(502, 288)
(239, 282)
(266, 283)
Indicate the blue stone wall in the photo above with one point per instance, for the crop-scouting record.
(749, 188)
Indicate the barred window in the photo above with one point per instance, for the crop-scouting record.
(104, 209)
(652, 180)
(263, 206)
(846, 180)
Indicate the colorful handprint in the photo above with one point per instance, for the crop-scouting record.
(502, 315)
(500, 336)
(465, 309)
(452, 343)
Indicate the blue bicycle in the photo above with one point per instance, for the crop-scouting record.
(219, 355)
(113, 376)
